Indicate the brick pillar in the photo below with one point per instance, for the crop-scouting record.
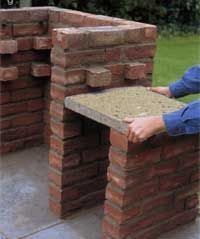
(152, 186)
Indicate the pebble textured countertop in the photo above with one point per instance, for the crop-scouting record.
(116, 104)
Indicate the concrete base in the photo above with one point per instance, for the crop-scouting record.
(24, 211)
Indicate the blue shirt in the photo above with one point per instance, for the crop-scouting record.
(187, 119)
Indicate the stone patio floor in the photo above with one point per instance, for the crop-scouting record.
(24, 209)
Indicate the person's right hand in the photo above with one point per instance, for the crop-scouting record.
(163, 90)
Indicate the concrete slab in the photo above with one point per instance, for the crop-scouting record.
(24, 193)
(84, 225)
(110, 107)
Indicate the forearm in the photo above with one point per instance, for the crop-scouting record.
(189, 84)
(183, 121)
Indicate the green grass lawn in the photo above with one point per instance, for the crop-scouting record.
(174, 56)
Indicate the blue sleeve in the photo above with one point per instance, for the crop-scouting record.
(188, 84)
(183, 121)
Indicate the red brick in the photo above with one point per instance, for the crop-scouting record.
(5, 97)
(40, 69)
(42, 43)
(24, 69)
(170, 182)
(8, 73)
(8, 46)
(61, 162)
(94, 154)
(5, 31)
(71, 176)
(127, 198)
(163, 168)
(58, 92)
(27, 93)
(98, 77)
(24, 43)
(192, 201)
(121, 141)
(66, 130)
(179, 147)
(119, 215)
(70, 38)
(195, 176)
(134, 71)
(35, 104)
(140, 51)
(72, 18)
(57, 110)
(131, 162)
(113, 54)
(26, 119)
(73, 144)
(156, 202)
(117, 71)
(67, 77)
(77, 58)
(186, 191)
(189, 160)
(151, 33)
(105, 36)
(25, 29)
(10, 109)
(133, 34)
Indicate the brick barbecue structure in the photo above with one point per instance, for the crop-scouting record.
(47, 54)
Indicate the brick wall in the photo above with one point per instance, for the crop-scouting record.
(24, 72)
(152, 186)
(84, 59)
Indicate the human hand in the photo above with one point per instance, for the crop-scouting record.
(140, 129)
(163, 90)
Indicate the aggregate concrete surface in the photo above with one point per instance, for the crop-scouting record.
(111, 106)
(24, 212)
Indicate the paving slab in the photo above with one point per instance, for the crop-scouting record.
(110, 107)
(24, 193)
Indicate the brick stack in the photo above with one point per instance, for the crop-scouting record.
(24, 71)
(152, 186)
(87, 59)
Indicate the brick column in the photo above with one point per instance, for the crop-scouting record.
(152, 186)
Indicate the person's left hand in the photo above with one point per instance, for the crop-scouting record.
(140, 129)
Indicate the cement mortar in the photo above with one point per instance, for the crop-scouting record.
(110, 107)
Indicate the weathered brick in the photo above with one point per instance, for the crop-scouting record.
(5, 30)
(139, 51)
(120, 216)
(62, 162)
(66, 130)
(70, 38)
(131, 162)
(73, 144)
(71, 176)
(77, 58)
(68, 77)
(8, 73)
(98, 77)
(42, 42)
(105, 36)
(134, 71)
(172, 181)
(40, 69)
(60, 92)
(24, 43)
(8, 46)
(31, 29)
(113, 54)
